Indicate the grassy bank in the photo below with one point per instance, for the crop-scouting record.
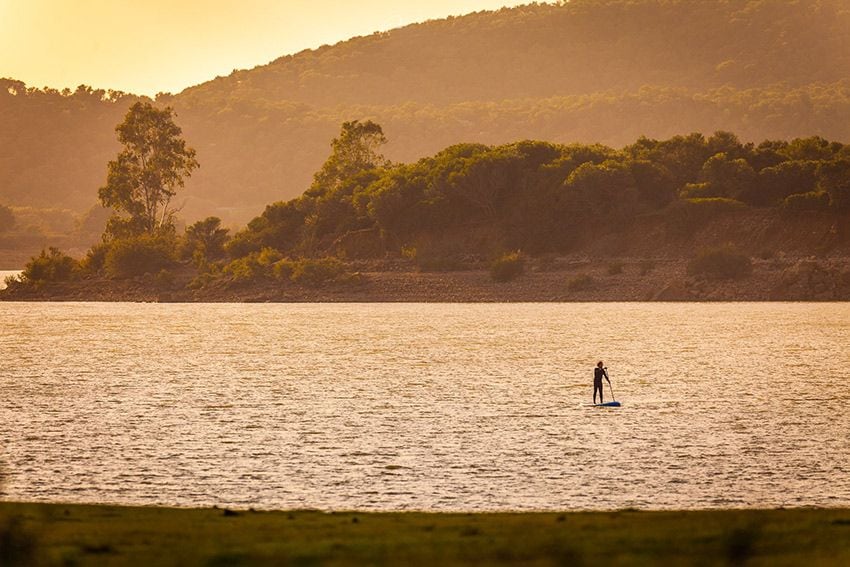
(47, 534)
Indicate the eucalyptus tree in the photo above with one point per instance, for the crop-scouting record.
(144, 178)
(356, 149)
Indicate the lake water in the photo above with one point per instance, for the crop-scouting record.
(426, 406)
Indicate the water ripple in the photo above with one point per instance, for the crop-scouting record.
(425, 407)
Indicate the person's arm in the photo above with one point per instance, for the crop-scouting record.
(605, 373)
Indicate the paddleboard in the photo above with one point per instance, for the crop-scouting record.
(607, 405)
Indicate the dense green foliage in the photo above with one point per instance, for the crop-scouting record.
(144, 178)
(539, 197)
(584, 71)
(138, 255)
(204, 242)
(355, 150)
(473, 202)
(50, 266)
(314, 271)
(268, 264)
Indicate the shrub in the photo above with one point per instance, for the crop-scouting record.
(507, 267)
(720, 263)
(165, 279)
(408, 252)
(242, 244)
(245, 269)
(282, 269)
(204, 242)
(139, 255)
(11, 281)
(268, 257)
(313, 272)
(95, 258)
(580, 283)
(254, 266)
(201, 281)
(811, 201)
(51, 265)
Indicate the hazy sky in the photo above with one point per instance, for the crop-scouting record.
(149, 46)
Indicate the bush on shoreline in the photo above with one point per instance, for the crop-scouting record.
(448, 211)
(139, 255)
(52, 265)
(507, 267)
(270, 265)
(720, 264)
(311, 272)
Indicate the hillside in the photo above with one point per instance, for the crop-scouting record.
(589, 71)
(687, 218)
(580, 47)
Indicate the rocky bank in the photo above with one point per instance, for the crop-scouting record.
(561, 279)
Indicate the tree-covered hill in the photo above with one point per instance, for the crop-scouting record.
(770, 220)
(576, 47)
(586, 71)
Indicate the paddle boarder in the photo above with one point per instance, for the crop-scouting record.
(598, 373)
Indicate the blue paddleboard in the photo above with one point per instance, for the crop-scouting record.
(607, 405)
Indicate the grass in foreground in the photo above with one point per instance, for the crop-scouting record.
(58, 534)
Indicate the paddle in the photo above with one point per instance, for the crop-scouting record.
(609, 384)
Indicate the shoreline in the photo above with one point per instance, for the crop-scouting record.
(88, 534)
(564, 280)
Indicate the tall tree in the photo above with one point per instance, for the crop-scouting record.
(143, 179)
(356, 149)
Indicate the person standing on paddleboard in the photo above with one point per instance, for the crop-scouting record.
(598, 373)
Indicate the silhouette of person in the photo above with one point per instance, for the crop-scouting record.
(599, 373)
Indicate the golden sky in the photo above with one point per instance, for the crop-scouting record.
(150, 46)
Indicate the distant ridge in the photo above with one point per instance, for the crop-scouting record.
(581, 47)
(589, 70)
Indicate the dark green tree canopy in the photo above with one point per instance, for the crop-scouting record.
(539, 197)
(205, 240)
(356, 149)
(142, 181)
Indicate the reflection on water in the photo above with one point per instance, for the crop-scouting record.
(433, 407)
